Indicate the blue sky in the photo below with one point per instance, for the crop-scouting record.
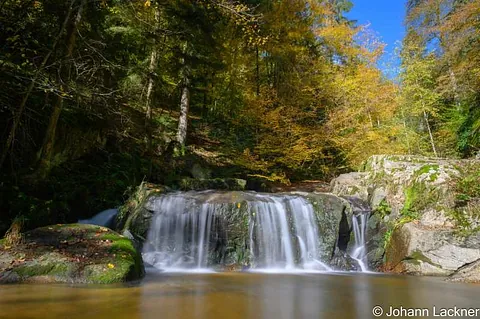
(386, 19)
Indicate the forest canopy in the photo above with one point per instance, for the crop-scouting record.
(98, 95)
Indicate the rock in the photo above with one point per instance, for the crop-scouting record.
(417, 250)
(231, 247)
(72, 253)
(133, 216)
(351, 184)
(378, 195)
(199, 172)
(343, 261)
(416, 215)
(334, 217)
(469, 273)
(375, 241)
(230, 184)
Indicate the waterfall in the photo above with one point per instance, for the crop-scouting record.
(105, 218)
(204, 230)
(180, 236)
(359, 252)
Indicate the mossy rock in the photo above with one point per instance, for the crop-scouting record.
(228, 184)
(73, 253)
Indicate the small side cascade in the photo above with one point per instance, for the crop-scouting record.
(359, 251)
(105, 218)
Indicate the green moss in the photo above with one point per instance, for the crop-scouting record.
(467, 199)
(387, 237)
(48, 269)
(383, 209)
(431, 169)
(417, 257)
(418, 197)
(231, 184)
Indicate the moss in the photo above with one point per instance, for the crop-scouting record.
(466, 211)
(48, 269)
(231, 184)
(431, 169)
(418, 197)
(383, 209)
(417, 257)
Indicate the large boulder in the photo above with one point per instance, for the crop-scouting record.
(425, 218)
(72, 253)
(235, 215)
(468, 273)
(415, 249)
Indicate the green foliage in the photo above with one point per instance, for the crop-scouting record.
(466, 212)
(383, 209)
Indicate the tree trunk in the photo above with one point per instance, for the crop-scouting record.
(149, 99)
(425, 116)
(21, 108)
(184, 106)
(257, 71)
(406, 133)
(150, 85)
(46, 152)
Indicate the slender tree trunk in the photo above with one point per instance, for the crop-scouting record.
(406, 133)
(257, 74)
(21, 108)
(453, 81)
(46, 152)
(184, 106)
(425, 116)
(150, 85)
(149, 98)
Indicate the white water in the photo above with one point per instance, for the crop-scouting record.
(105, 218)
(283, 232)
(359, 252)
(180, 234)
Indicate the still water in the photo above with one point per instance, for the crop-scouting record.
(237, 295)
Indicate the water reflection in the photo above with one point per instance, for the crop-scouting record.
(235, 296)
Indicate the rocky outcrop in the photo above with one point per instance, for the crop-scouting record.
(415, 249)
(468, 273)
(426, 212)
(227, 184)
(70, 254)
(234, 214)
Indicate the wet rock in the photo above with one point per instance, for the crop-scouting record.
(230, 243)
(342, 261)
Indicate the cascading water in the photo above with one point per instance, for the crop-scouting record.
(277, 240)
(275, 232)
(180, 235)
(359, 252)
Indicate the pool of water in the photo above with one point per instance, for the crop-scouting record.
(238, 295)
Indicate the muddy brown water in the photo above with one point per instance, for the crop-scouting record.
(238, 295)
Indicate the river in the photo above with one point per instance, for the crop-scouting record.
(238, 295)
